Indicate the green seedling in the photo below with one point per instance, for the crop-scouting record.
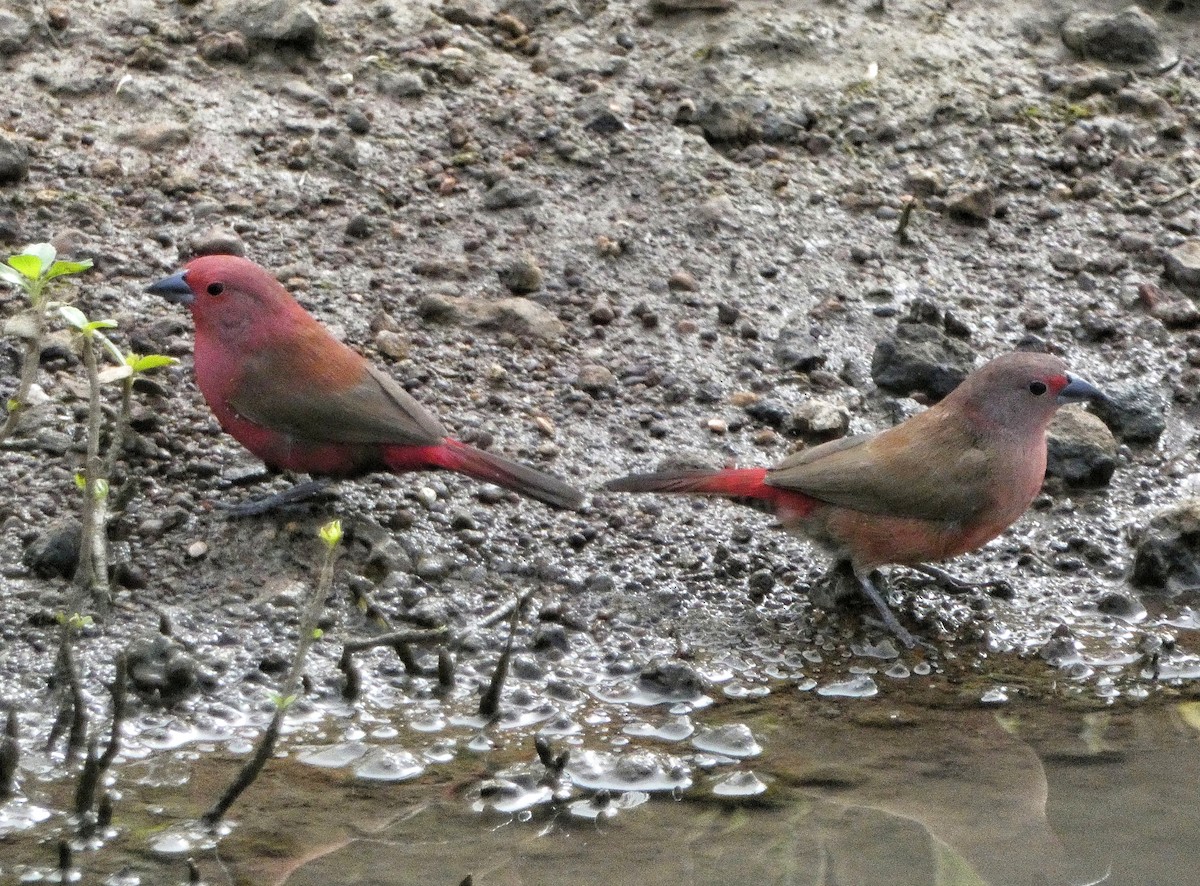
(31, 271)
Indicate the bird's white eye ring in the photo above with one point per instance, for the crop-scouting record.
(1037, 388)
(215, 288)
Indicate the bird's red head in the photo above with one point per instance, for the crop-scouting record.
(229, 293)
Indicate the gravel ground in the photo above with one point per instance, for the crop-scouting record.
(600, 235)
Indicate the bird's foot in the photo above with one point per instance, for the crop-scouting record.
(872, 593)
(254, 507)
(952, 584)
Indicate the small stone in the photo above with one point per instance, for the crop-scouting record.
(14, 162)
(197, 550)
(1183, 264)
(1167, 551)
(432, 567)
(15, 32)
(229, 46)
(920, 358)
(154, 137)
(682, 281)
(717, 425)
(273, 22)
(727, 314)
(521, 275)
(975, 204)
(358, 122)
(817, 420)
(1081, 450)
(510, 194)
(392, 344)
(465, 12)
(400, 84)
(58, 17)
(595, 379)
(161, 672)
(924, 182)
(602, 313)
(1128, 37)
(678, 681)
(217, 241)
(55, 551)
(359, 227)
(1135, 413)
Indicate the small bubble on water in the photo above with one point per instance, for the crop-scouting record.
(922, 669)
(898, 671)
(995, 695)
(334, 756)
(806, 685)
(388, 764)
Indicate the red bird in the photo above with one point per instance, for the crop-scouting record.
(942, 483)
(301, 400)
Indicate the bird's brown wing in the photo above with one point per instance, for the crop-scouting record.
(930, 468)
(348, 400)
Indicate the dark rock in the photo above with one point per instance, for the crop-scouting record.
(1166, 556)
(359, 227)
(465, 12)
(1081, 450)
(1135, 413)
(1128, 37)
(271, 22)
(920, 357)
(161, 672)
(768, 412)
(510, 194)
(14, 162)
(55, 551)
(673, 679)
(15, 32)
(230, 46)
(796, 349)
(1182, 264)
(973, 204)
(400, 84)
(521, 275)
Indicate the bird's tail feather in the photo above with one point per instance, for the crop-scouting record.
(744, 485)
(492, 468)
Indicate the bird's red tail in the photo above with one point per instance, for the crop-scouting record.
(455, 456)
(745, 485)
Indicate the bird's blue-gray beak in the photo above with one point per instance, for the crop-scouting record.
(174, 289)
(1078, 390)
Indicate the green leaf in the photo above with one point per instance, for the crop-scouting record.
(73, 315)
(150, 361)
(44, 253)
(81, 481)
(100, 489)
(60, 268)
(317, 633)
(11, 275)
(30, 266)
(99, 324)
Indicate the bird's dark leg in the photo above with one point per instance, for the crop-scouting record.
(955, 585)
(254, 507)
(872, 593)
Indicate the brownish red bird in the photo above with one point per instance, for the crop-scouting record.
(942, 483)
(299, 399)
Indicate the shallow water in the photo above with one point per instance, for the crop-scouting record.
(825, 790)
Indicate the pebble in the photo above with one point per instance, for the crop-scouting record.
(921, 358)
(1136, 413)
(155, 137)
(229, 46)
(510, 194)
(400, 84)
(818, 419)
(1182, 264)
(1081, 450)
(727, 314)
(217, 241)
(14, 161)
(359, 227)
(682, 281)
(197, 550)
(1127, 37)
(161, 672)
(15, 32)
(521, 275)
(282, 22)
(55, 550)
(975, 204)
(1167, 551)
(595, 379)
(465, 12)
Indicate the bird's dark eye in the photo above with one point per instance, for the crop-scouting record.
(215, 288)
(1037, 388)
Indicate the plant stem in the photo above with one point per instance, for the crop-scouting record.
(29, 361)
(92, 572)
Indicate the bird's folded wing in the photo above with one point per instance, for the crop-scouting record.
(926, 470)
(372, 410)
